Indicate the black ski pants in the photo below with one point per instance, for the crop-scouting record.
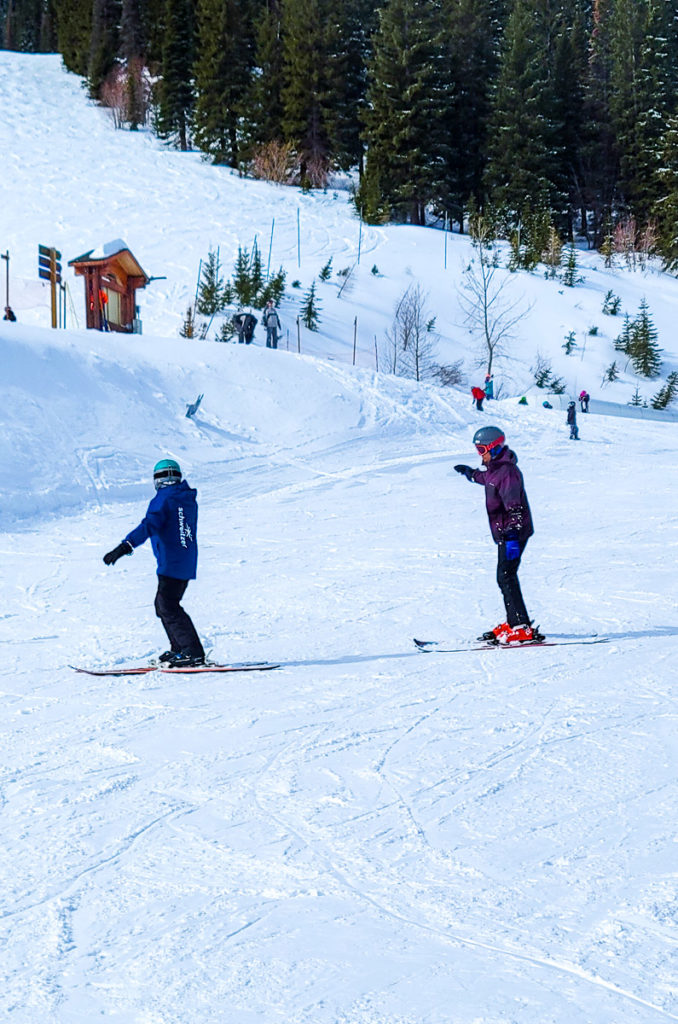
(178, 626)
(507, 578)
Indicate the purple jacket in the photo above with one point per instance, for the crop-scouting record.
(505, 498)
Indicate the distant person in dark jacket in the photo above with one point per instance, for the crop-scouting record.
(572, 421)
(478, 396)
(9, 314)
(271, 322)
(171, 523)
(511, 527)
(584, 399)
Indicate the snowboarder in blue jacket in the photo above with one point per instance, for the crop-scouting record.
(171, 523)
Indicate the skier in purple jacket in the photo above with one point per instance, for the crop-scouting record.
(511, 526)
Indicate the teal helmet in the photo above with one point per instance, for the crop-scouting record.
(489, 439)
(166, 472)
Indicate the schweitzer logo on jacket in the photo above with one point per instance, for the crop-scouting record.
(184, 528)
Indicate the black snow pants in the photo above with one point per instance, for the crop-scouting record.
(507, 578)
(178, 626)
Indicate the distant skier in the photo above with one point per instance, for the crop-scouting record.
(572, 421)
(271, 322)
(584, 399)
(489, 386)
(478, 396)
(171, 522)
(9, 314)
(511, 527)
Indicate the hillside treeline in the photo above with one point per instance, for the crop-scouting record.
(558, 111)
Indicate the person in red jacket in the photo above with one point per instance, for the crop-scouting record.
(511, 527)
(478, 396)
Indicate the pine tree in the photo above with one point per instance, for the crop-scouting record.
(598, 156)
(471, 41)
(665, 208)
(611, 303)
(262, 103)
(132, 30)
(74, 27)
(408, 98)
(187, 329)
(225, 57)
(666, 394)
(624, 342)
(326, 271)
(566, 112)
(612, 373)
(347, 41)
(644, 349)
(643, 84)
(28, 25)
(242, 278)
(570, 276)
(256, 272)
(103, 42)
(310, 310)
(174, 94)
(523, 154)
(304, 93)
(211, 290)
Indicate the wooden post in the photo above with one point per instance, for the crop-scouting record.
(360, 233)
(53, 283)
(376, 353)
(355, 336)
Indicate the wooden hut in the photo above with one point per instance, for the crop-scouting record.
(112, 276)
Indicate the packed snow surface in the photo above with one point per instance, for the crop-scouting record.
(367, 834)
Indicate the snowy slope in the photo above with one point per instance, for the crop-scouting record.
(367, 835)
(72, 181)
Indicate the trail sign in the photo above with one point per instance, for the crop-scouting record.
(48, 260)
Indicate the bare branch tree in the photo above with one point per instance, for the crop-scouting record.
(409, 346)
(491, 313)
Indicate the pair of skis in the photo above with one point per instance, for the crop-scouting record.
(441, 647)
(425, 646)
(140, 670)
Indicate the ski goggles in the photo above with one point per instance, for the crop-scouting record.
(166, 477)
(483, 449)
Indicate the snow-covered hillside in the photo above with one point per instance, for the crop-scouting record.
(70, 180)
(367, 835)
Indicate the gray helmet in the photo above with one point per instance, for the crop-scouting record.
(487, 439)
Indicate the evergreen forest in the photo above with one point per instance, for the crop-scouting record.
(543, 115)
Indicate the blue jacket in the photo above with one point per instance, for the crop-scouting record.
(171, 521)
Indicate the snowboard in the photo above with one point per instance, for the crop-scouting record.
(140, 670)
(438, 647)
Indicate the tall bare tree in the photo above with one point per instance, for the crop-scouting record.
(490, 311)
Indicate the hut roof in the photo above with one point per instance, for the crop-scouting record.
(105, 253)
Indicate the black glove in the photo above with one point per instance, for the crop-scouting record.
(466, 470)
(122, 549)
